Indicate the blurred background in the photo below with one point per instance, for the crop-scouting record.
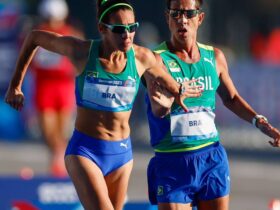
(249, 34)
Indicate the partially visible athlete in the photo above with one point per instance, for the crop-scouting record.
(99, 155)
(190, 166)
(54, 86)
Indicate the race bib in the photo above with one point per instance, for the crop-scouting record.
(109, 93)
(193, 125)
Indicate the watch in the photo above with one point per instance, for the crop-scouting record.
(257, 117)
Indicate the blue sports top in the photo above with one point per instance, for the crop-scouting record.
(101, 90)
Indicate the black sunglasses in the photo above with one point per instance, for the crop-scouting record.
(120, 29)
(190, 13)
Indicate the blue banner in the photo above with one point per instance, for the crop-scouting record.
(46, 193)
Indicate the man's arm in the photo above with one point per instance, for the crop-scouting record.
(234, 102)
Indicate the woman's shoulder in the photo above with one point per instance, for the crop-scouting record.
(144, 55)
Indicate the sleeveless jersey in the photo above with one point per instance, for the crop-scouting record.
(184, 131)
(101, 90)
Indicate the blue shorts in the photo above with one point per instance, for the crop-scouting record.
(107, 155)
(187, 177)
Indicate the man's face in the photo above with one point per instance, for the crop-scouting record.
(183, 19)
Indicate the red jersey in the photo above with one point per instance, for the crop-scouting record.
(51, 66)
(54, 77)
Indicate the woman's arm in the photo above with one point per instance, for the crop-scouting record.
(161, 100)
(76, 50)
(234, 102)
(153, 72)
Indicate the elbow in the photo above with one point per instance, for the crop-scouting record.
(228, 102)
(33, 37)
(231, 100)
(30, 40)
(38, 38)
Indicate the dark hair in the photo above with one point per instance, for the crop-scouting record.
(198, 3)
(104, 11)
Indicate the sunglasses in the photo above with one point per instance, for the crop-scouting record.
(190, 13)
(120, 29)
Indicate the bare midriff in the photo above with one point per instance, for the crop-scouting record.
(111, 126)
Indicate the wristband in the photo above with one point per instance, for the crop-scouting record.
(257, 117)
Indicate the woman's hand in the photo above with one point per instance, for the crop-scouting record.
(15, 98)
(188, 89)
(160, 95)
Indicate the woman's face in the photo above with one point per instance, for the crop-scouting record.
(119, 39)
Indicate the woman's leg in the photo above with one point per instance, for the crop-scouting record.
(117, 183)
(221, 203)
(89, 183)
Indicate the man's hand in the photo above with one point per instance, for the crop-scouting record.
(270, 131)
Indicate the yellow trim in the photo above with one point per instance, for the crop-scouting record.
(186, 149)
(207, 47)
(161, 48)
